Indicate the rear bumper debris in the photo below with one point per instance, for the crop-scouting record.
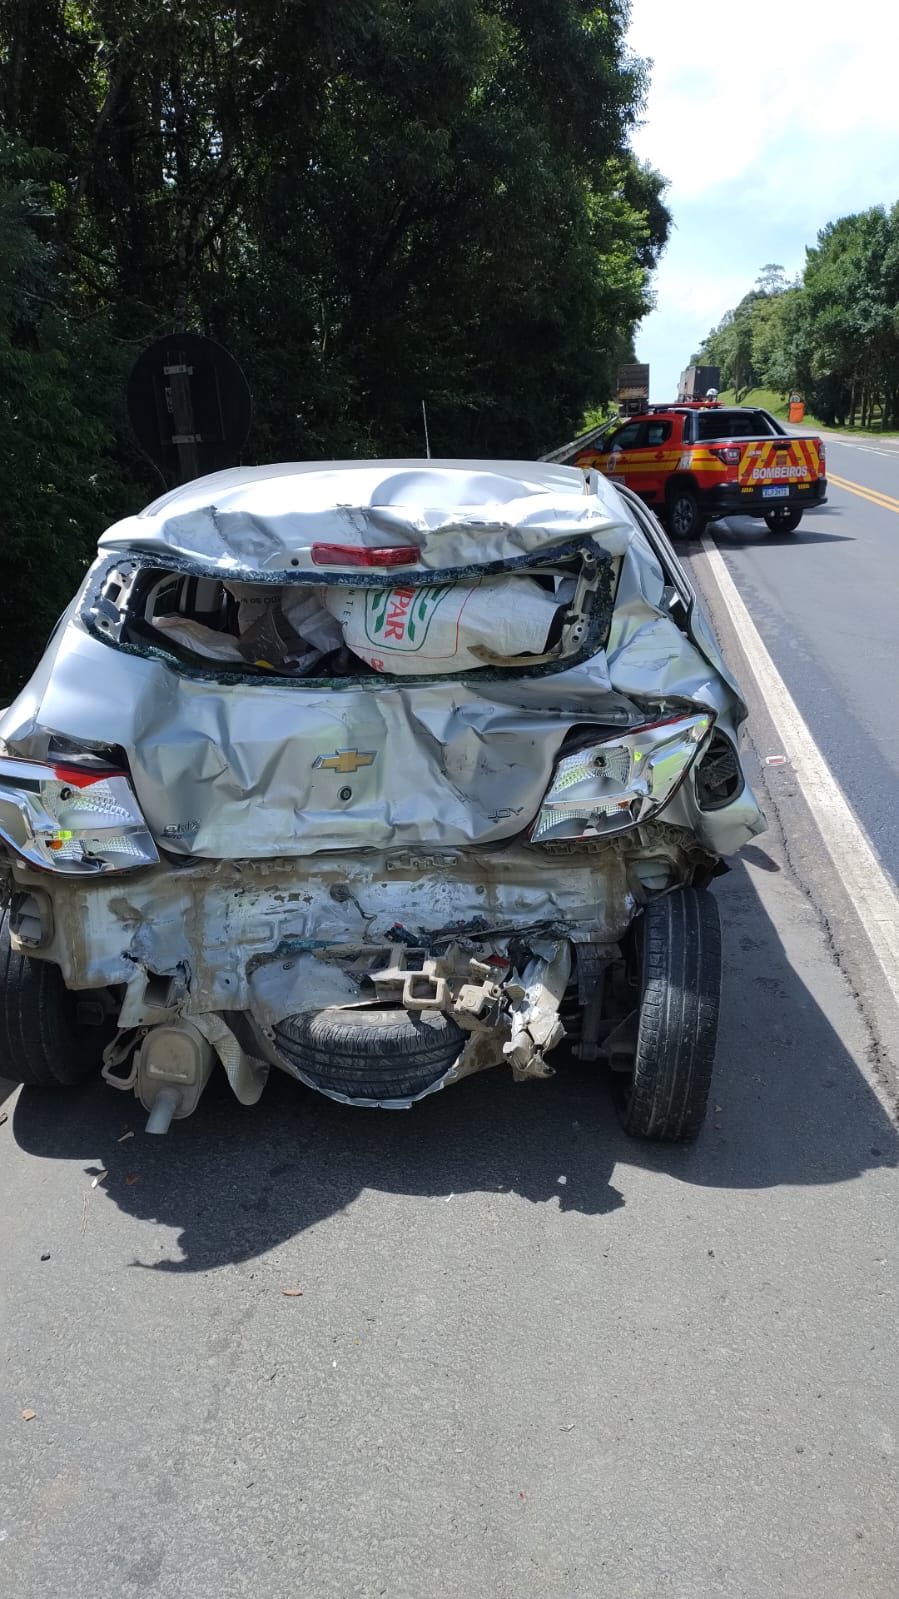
(228, 952)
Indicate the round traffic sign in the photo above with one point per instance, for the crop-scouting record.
(190, 405)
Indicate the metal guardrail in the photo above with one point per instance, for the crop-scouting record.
(582, 442)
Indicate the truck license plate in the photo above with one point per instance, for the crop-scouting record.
(777, 493)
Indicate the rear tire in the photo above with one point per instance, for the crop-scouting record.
(682, 513)
(42, 1043)
(783, 520)
(678, 958)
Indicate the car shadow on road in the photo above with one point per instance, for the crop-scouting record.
(788, 1106)
(746, 532)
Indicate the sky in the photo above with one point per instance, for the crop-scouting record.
(769, 120)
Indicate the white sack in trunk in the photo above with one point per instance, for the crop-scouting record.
(445, 628)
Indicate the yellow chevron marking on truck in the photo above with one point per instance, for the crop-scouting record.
(765, 463)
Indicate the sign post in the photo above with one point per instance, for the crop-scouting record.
(190, 406)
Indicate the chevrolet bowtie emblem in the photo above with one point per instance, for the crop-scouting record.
(344, 760)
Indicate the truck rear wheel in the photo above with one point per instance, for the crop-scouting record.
(782, 519)
(682, 513)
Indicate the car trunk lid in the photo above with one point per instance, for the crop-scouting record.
(471, 607)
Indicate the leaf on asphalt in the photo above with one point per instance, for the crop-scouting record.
(28, 1415)
(99, 1178)
(4, 1117)
(131, 1178)
(123, 1137)
(292, 1293)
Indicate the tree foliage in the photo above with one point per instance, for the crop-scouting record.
(371, 202)
(54, 449)
(833, 335)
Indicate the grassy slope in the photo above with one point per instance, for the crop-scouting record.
(779, 407)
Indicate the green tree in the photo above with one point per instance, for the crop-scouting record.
(772, 279)
(850, 297)
(834, 334)
(372, 202)
(730, 346)
(52, 443)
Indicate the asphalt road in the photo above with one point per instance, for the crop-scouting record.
(826, 601)
(529, 1359)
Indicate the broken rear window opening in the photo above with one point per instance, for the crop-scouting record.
(528, 615)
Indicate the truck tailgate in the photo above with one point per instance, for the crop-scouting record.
(780, 461)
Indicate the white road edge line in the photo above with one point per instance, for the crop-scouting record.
(855, 862)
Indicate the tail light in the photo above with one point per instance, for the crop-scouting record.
(74, 820)
(352, 555)
(625, 780)
(822, 453)
(730, 454)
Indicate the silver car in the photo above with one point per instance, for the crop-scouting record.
(380, 773)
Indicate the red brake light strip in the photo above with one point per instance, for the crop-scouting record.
(352, 555)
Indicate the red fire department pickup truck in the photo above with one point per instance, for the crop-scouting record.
(697, 462)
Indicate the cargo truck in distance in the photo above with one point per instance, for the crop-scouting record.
(633, 389)
(696, 381)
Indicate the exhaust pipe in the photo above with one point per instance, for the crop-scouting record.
(164, 1107)
(173, 1066)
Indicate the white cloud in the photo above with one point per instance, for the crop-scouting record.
(769, 122)
(687, 290)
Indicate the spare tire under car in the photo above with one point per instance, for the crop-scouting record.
(370, 1055)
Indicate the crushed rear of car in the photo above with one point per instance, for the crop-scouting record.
(380, 773)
